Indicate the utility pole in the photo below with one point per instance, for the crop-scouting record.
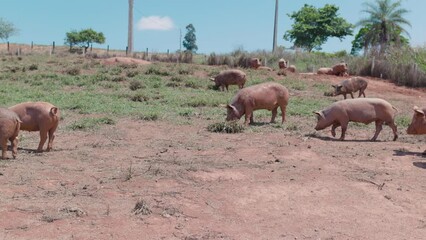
(130, 30)
(274, 42)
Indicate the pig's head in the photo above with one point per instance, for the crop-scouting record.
(321, 121)
(337, 89)
(418, 123)
(216, 82)
(233, 113)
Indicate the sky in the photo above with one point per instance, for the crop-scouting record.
(222, 26)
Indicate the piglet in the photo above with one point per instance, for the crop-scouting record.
(39, 116)
(362, 110)
(9, 130)
(348, 86)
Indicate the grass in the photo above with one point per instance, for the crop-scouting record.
(160, 91)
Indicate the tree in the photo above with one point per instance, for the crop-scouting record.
(189, 41)
(385, 20)
(84, 38)
(7, 29)
(368, 38)
(312, 27)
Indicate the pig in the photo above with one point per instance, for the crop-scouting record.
(292, 68)
(230, 77)
(268, 96)
(362, 110)
(418, 122)
(255, 63)
(340, 69)
(39, 116)
(351, 85)
(9, 130)
(327, 71)
(282, 64)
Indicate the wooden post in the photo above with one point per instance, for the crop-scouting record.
(8, 47)
(91, 47)
(372, 65)
(53, 47)
(32, 45)
(127, 50)
(107, 49)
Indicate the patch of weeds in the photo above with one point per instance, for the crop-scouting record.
(90, 123)
(176, 79)
(33, 67)
(128, 66)
(129, 173)
(185, 112)
(156, 71)
(135, 85)
(139, 97)
(192, 83)
(73, 71)
(172, 84)
(141, 208)
(183, 71)
(403, 121)
(131, 74)
(115, 71)
(119, 79)
(148, 116)
(226, 127)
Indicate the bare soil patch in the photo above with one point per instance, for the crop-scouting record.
(159, 180)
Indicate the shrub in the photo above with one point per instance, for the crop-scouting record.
(226, 127)
(135, 85)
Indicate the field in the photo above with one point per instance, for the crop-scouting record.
(133, 159)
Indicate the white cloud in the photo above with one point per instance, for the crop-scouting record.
(155, 23)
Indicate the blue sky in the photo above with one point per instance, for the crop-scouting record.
(221, 25)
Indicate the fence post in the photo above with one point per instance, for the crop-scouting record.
(53, 47)
(127, 50)
(372, 65)
(8, 48)
(32, 45)
(107, 50)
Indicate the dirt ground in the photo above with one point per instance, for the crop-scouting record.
(159, 180)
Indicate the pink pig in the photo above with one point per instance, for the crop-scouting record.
(39, 116)
(9, 130)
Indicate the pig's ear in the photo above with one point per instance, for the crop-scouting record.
(418, 111)
(54, 110)
(212, 79)
(233, 109)
(319, 114)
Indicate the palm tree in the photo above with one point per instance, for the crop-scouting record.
(385, 20)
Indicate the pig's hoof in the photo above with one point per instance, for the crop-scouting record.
(395, 137)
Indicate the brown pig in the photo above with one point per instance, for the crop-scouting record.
(362, 110)
(418, 122)
(268, 96)
(351, 85)
(230, 77)
(9, 130)
(39, 116)
(327, 71)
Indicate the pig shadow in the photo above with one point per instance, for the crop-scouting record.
(332, 139)
(420, 164)
(408, 153)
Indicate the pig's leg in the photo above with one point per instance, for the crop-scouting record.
(226, 86)
(14, 142)
(274, 114)
(3, 148)
(333, 129)
(379, 128)
(51, 138)
(43, 138)
(394, 129)
(360, 93)
(283, 109)
(222, 88)
(344, 95)
(248, 116)
(344, 126)
(351, 95)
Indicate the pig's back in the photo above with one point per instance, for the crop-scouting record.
(367, 109)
